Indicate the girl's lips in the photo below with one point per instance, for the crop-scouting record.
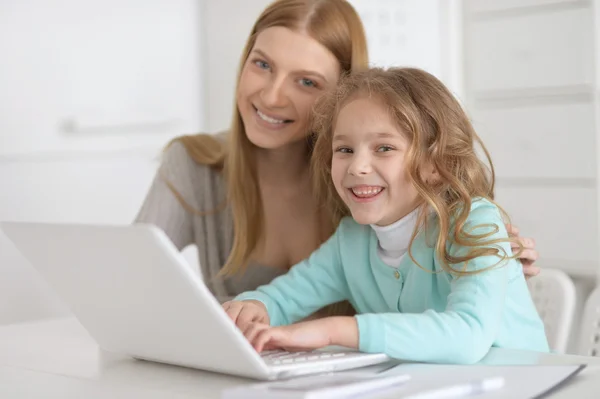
(363, 194)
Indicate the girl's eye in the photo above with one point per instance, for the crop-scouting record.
(262, 64)
(307, 83)
(385, 148)
(344, 150)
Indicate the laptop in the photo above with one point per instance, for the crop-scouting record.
(135, 294)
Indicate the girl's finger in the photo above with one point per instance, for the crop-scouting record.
(528, 243)
(528, 256)
(531, 271)
(246, 316)
(513, 231)
(233, 311)
(264, 338)
(247, 329)
(253, 330)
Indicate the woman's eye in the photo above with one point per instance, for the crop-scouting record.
(308, 83)
(261, 64)
(385, 148)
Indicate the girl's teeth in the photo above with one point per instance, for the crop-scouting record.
(267, 118)
(367, 192)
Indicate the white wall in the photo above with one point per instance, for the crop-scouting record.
(126, 73)
(531, 88)
(90, 93)
(416, 33)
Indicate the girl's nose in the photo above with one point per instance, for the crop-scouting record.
(361, 165)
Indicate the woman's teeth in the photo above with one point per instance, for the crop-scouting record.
(268, 118)
(363, 192)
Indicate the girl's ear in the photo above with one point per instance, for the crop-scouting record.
(430, 174)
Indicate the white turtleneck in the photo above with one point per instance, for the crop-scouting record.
(394, 239)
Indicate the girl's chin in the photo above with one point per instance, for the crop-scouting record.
(365, 219)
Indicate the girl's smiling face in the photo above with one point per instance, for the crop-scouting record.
(368, 167)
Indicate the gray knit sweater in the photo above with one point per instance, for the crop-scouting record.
(204, 189)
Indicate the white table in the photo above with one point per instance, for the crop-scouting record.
(58, 359)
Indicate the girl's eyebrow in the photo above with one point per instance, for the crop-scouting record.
(380, 135)
(385, 135)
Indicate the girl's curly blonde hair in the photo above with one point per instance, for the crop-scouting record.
(441, 135)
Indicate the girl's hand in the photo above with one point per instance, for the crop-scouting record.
(306, 335)
(529, 254)
(244, 313)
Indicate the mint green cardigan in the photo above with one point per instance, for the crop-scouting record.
(409, 313)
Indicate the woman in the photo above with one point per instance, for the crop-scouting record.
(245, 197)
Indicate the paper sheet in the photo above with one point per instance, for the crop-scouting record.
(520, 381)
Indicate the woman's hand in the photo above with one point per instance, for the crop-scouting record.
(244, 313)
(308, 335)
(529, 255)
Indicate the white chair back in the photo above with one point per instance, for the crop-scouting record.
(589, 340)
(553, 293)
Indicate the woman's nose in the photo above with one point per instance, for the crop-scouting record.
(273, 95)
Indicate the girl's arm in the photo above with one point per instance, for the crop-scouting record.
(308, 286)
(465, 331)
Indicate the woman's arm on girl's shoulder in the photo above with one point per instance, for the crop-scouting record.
(161, 206)
(529, 255)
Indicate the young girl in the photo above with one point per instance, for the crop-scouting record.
(425, 259)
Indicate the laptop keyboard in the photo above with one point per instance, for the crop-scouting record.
(277, 358)
(289, 364)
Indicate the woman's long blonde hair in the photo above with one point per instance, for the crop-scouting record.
(440, 135)
(333, 23)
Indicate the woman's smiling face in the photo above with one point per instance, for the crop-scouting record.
(282, 78)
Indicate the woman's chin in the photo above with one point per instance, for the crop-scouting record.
(273, 140)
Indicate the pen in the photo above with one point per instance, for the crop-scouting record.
(459, 390)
